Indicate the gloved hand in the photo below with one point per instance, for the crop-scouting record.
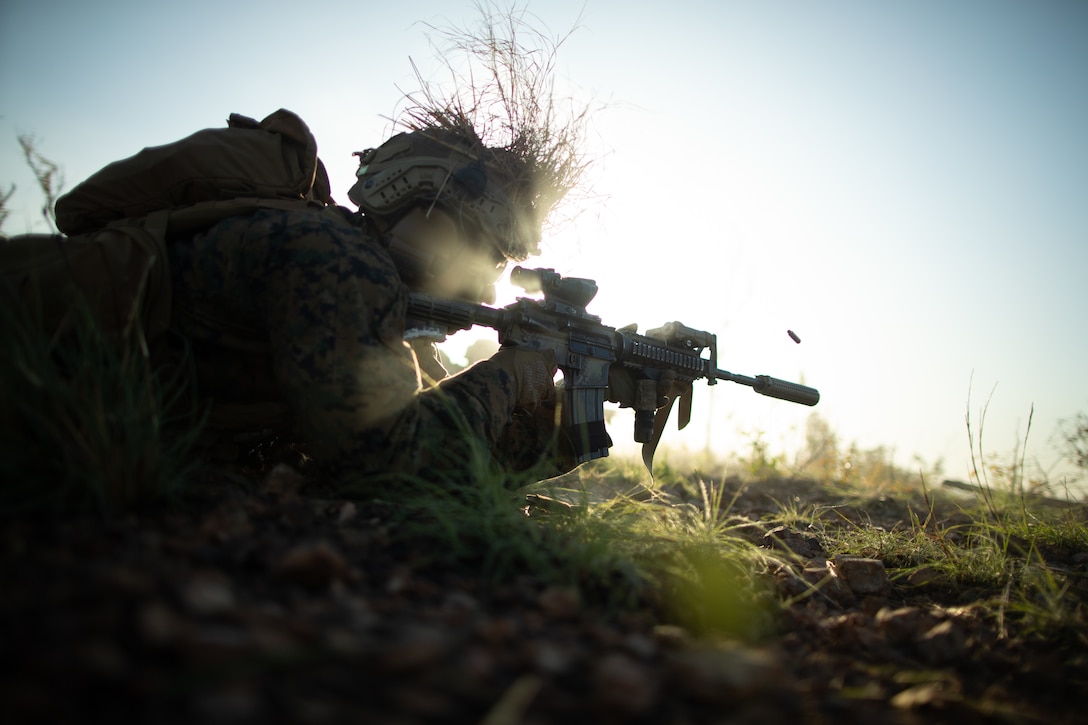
(534, 440)
(428, 360)
(623, 388)
(533, 373)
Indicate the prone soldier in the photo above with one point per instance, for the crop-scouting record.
(305, 309)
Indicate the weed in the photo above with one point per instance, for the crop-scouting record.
(5, 199)
(616, 549)
(47, 174)
(86, 420)
(760, 464)
(795, 513)
(1045, 605)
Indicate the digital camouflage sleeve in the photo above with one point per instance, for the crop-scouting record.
(305, 308)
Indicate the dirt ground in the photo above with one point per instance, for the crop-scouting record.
(279, 603)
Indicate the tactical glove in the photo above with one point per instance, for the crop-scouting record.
(427, 359)
(533, 373)
(534, 440)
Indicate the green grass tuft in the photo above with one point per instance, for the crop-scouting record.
(85, 421)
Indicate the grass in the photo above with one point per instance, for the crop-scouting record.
(628, 548)
(1003, 555)
(682, 548)
(85, 421)
(90, 424)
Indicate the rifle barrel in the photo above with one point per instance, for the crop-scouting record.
(457, 315)
(775, 387)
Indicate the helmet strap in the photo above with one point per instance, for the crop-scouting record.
(414, 265)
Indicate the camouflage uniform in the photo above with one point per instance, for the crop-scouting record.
(306, 307)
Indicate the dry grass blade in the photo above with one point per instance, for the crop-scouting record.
(48, 174)
(502, 95)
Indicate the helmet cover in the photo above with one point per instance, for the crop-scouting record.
(485, 189)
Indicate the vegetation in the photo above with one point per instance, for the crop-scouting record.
(753, 551)
(686, 550)
(89, 421)
(86, 419)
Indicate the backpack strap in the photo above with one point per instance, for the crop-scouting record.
(186, 221)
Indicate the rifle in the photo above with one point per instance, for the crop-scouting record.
(585, 350)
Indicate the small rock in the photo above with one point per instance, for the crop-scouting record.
(621, 684)
(157, 624)
(270, 640)
(942, 643)
(283, 481)
(348, 511)
(829, 585)
(342, 641)
(902, 625)
(551, 658)
(460, 605)
(863, 576)
(104, 657)
(927, 693)
(873, 603)
(313, 565)
(208, 594)
(476, 663)
(725, 675)
(805, 546)
(559, 603)
(417, 647)
(229, 520)
(398, 581)
(498, 631)
(792, 586)
(671, 636)
(815, 575)
(639, 645)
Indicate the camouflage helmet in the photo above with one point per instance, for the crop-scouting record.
(487, 190)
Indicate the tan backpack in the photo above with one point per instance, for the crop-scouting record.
(273, 159)
(121, 218)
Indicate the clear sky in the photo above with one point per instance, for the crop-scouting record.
(904, 184)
